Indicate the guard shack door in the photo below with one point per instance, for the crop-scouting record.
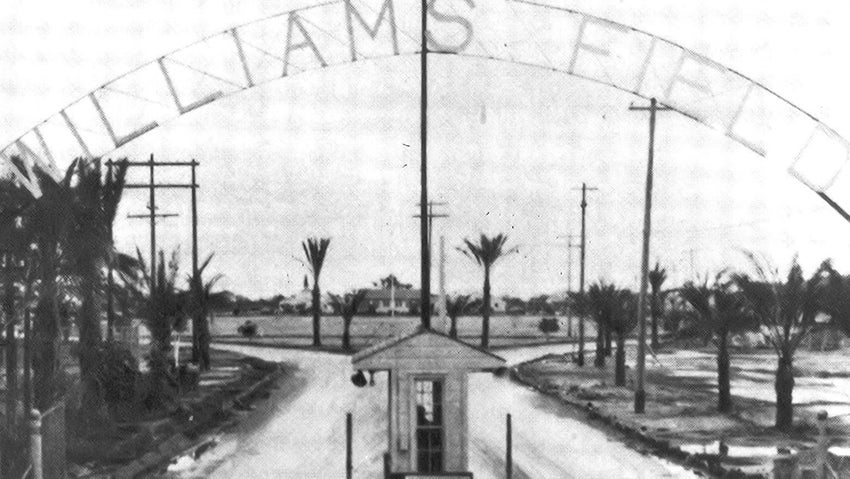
(429, 426)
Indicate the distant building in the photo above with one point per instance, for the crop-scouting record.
(400, 301)
(302, 302)
(498, 304)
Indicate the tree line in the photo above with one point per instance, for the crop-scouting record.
(61, 267)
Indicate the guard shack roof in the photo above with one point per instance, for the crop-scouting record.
(426, 350)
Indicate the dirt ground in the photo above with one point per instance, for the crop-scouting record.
(682, 400)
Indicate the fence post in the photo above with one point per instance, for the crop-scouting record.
(509, 458)
(387, 468)
(822, 446)
(35, 444)
(348, 466)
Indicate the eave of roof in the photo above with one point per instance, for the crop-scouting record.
(389, 343)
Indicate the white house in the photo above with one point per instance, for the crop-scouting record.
(303, 301)
(497, 303)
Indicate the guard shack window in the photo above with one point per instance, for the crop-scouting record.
(429, 425)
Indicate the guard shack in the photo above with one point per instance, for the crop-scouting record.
(427, 400)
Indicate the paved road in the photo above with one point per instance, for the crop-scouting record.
(299, 431)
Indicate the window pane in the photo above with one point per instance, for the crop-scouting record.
(429, 420)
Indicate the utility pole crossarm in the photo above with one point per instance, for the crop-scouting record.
(632, 107)
(158, 215)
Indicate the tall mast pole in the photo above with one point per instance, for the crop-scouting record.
(423, 200)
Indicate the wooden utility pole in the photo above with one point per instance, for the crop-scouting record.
(110, 280)
(194, 186)
(584, 189)
(640, 392)
(425, 263)
(570, 247)
(152, 215)
(431, 215)
(442, 301)
(152, 206)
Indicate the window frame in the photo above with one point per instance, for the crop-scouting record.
(441, 426)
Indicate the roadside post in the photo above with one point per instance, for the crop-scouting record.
(509, 456)
(35, 445)
(348, 465)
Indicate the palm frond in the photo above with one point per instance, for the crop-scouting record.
(315, 250)
(488, 250)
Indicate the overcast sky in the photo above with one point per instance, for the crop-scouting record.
(333, 152)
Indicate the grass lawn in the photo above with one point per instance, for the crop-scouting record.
(682, 399)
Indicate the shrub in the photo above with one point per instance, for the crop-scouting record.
(116, 372)
(549, 325)
(248, 329)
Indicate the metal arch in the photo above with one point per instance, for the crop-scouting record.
(326, 34)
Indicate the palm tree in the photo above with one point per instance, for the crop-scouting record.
(89, 251)
(837, 302)
(623, 321)
(787, 309)
(348, 306)
(162, 312)
(315, 249)
(613, 310)
(485, 253)
(15, 243)
(656, 277)
(112, 192)
(598, 304)
(721, 311)
(126, 291)
(199, 299)
(49, 219)
(454, 308)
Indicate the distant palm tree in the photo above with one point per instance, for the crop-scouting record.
(721, 311)
(315, 249)
(198, 308)
(787, 309)
(656, 277)
(454, 309)
(614, 311)
(837, 302)
(486, 252)
(348, 307)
